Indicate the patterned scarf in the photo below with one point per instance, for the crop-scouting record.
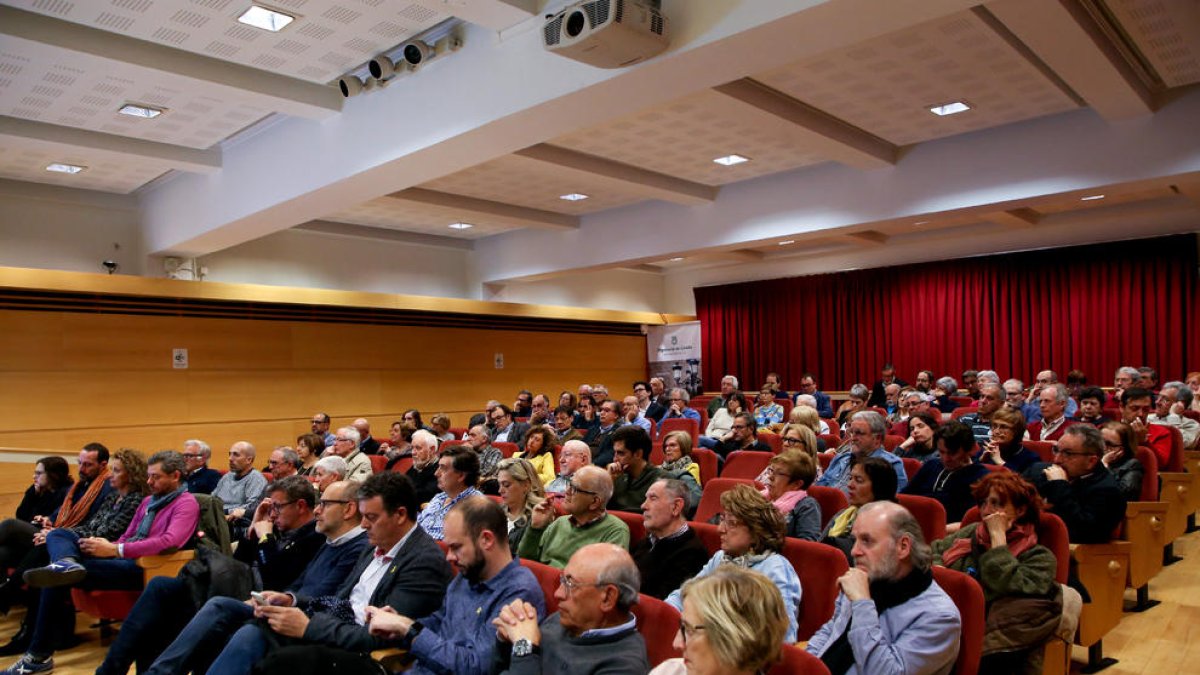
(843, 521)
(1020, 538)
(676, 465)
(746, 560)
(72, 513)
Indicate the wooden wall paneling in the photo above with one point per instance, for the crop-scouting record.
(30, 341)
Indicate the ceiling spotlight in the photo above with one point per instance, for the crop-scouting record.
(675, 259)
(416, 52)
(461, 226)
(143, 111)
(1090, 198)
(266, 19)
(573, 197)
(920, 223)
(350, 85)
(730, 160)
(65, 168)
(787, 242)
(949, 108)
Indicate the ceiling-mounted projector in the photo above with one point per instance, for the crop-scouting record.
(607, 33)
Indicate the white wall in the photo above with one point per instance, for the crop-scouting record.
(45, 231)
(610, 289)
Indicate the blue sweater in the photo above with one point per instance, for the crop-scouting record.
(329, 567)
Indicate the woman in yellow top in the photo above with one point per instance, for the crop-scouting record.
(539, 450)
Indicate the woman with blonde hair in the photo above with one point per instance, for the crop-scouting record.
(733, 623)
(787, 479)
(521, 491)
(805, 416)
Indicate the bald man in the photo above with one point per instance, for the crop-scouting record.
(588, 521)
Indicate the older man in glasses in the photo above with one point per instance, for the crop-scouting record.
(553, 542)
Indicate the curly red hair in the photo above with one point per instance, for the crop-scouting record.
(1012, 489)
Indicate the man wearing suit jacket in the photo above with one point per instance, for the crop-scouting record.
(366, 444)
(887, 375)
(403, 568)
(504, 429)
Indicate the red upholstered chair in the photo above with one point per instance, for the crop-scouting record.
(681, 424)
(825, 459)
(114, 605)
(547, 578)
(890, 442)
(1044, 449)
(657, 622)
(637, 525)
(929, 513)
(700, 402)
(796, 661)
(656, 452)
(458, 432)
(968, 597)
(818, 567)
(1051, 532)
(710, 499)
(883, 413)
(831, 500)
(506, 449)
(1192, 414)
(772, 440)
(1144, 528)
(402, 465)
(707, 459)
(745, 464)
(962, 401)
(378, 463)
(911, 466)
(833, 426)
(832, 441)
(708, 535)
(959, 412)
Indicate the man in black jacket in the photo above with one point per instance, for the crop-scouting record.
(671, 553)
(1078, 487)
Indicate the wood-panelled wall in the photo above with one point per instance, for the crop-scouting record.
(69, 378)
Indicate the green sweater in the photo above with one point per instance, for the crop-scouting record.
(554, 545)
(999, 572)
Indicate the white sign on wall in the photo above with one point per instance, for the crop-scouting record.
(674, 355)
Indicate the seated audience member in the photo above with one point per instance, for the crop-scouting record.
(439, 425)
(398, 443)
(1005, 448)
(896, 402)
(743, 436)
(282, 463)
(1120, 458)
(599, 437)
(308, 451)
(869, 482)
(51, 482)
(458, 638)
(991, 399)
(631, 471)
(855, 403)
(1052, 402)
(593, 630)
(631, 415)
(919, 444)
(729, 385)
(732, 622)
(890, 616)
(1091, 406)
(942, 393)
(1136, 404)
(767, 412)
(423, 472)
(521, 491)
(1017, 573)
(887, 376)
(924, 381)
(800, 437)
(489, 457)
(412, 418)
(677, 406)
(1148, 378)
(504, 428)
(658, 399)
(1077, 487)
(805, 413)
(585, 414)
(86, 495)
(970, 381)
(553, 541)
(165, 520)
(282, 541)
(677, 458)
(539, 450)
(1193, 382)
(647, 406)
(752, 534)
(366, 443)
(787, 479)
(721, 423)
(575, 454)
(911, 402)
(866, 432)
(1033, 406)
(599, 393)
(199, 478)
(1076, 382)
(564, 425)
(358, 464)
(327, 470)
(523, 405)
(671, 553)
(1126, 377)
(403, 568)
(948, 477)
(320, 427)
(773, 381)
(808, 387)
(1172, 401)
(457, 473)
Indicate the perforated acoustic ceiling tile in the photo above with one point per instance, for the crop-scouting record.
(29, 164)
(411, 217)
(327, 37)
(886, 85)
(1167, 32)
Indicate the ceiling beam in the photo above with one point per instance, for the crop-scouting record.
(385, 234)
(18, 132)
(257, 87)
(745, 255)
(836, 139)
(867, 238)
(469, 206)
(650, 183)
(1018, 218)
(1188, 189)
(1070, 44)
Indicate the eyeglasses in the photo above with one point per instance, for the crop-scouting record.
(740, 426)
(280, 507)
(326, 502)
(772, 473)
(728, 520)
(793, 441)
(572, 488)
(572, 584)
(687, 630)
(858, 432)
(1002, 426)
(191, 455)
(344, 440)
(1068, 453)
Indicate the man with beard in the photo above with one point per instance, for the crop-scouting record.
(890, 617)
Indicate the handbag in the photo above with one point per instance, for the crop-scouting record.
(213, 574)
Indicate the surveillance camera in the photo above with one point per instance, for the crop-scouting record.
(350, 85)
(381, 67)
(416, 52)
(110, 265)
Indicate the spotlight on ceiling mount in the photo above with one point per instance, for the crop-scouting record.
(415, 53)
(350, 85)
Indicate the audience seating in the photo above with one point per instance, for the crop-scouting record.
(707, 460)
(681, 424)
(402, 465)
(114, 605)
(825, 459)
(818, 567)
(797, 661)
(507, 449)
(968, 597)
(1177, 489)
(710, 499)
(891, 442)
(962, 401)
(831, 500)
(708, 535)
(657, 622)
(1144, 528)
(458, 432)
(1044, 449)
(772, 440)
(929, 513)
(960, 412)
(911, 467)
(832, 424)
(745, 464)
(547, 577)
(637, 525)
(378, 463)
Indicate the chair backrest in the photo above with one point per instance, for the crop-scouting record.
(959, 412)
(797, 661)
(1175, 461)
(929, 513)
(458, 432)
(772, 440)
(831, 500)
(1192, 414)
(962, 401)
(709, 536)
(507, 449)
(547, 578)
(681, 424)
(818, 567)
(378, 462)
(911, 467)
(1044, 449)
(637, 525)
(657, 622)
(700, 402)
(707, 460)
(656, 452)
(832, 441)
(832, 424)
(968, 597)
(876, 409)
(745, 464)
(825, 459)
(402, 465)
(1051, 532)
(710, 498)
(1149, 462)
(891, 442)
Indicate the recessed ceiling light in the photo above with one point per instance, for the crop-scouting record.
(266, 19)
(920, 223)
(143, 111)
(65, 168)
(949, 108)
(461, 226)
(1091, 198)
(786, 242)
(573, 197)
(730, 160)
(675, 259)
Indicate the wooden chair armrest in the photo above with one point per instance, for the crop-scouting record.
(1117, 547)
(393, 658)
(164, 565)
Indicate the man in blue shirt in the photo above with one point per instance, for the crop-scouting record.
(459, 638)
(678, 407)
(808, 385)
(866, 432)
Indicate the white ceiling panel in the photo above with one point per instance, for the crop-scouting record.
(28, 163)
(1167, 33)
(408, 216)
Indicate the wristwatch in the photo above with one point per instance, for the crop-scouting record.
(523, 647)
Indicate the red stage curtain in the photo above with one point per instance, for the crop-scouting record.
(1089, 307)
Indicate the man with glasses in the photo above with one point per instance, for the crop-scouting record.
(743, 435)
(991, 397)
(1077, 487)
(1173, 400)
(587, 521)
(1136, 404)
(677, 406)
(729, 385)
(198, 477)
(593, 630)
(358, 464)
(539, 413)
(523, 406)
(866, 431)
(283, 462)
(504, 428)
(648, 407)
(599, 437)
(808, 385)
(320, 427)
(282, 537)
(574, 455)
